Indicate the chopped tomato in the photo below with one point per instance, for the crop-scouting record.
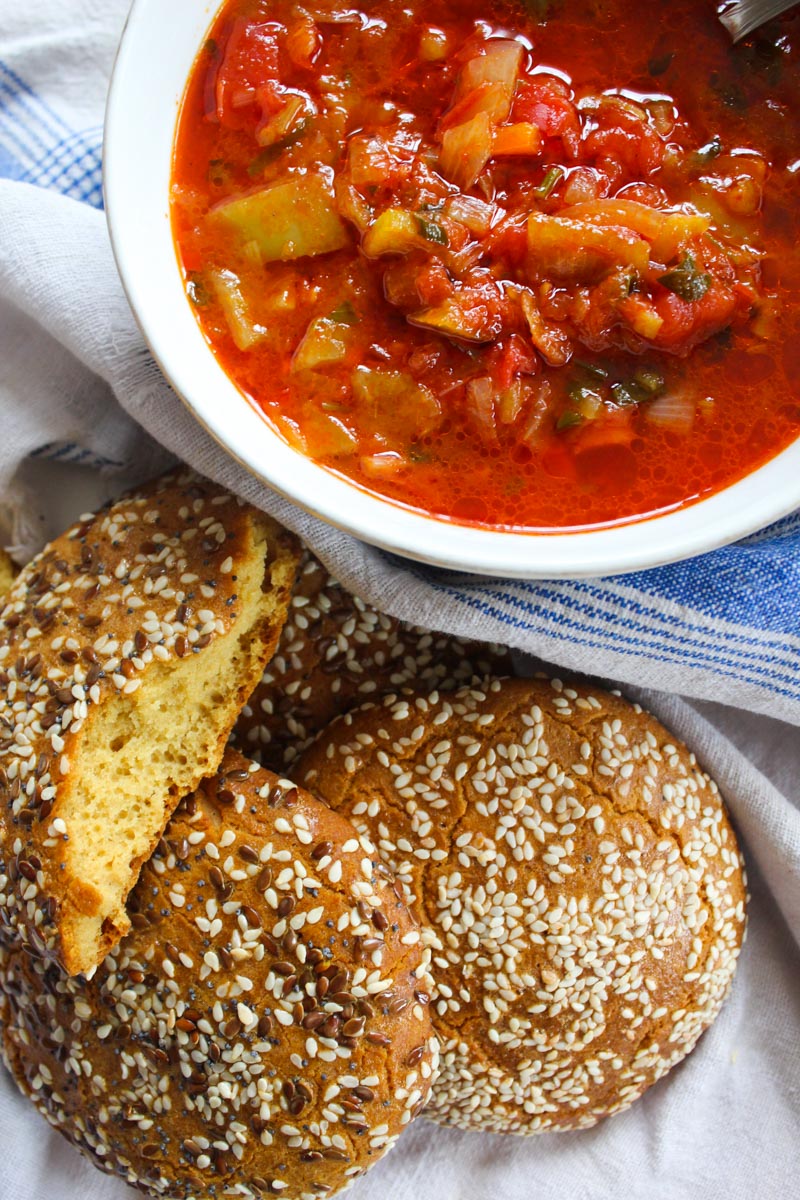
(686, 323)
(511, 358)
(544, 102)
(433, 284)
(249, 61)
(640, 152)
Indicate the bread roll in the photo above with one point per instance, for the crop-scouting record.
(126, 652)
(579, 879)
(335, 652)
(264, 1028)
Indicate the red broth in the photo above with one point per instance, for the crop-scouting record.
(527, 265)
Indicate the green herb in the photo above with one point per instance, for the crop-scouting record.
(197, 291)
(569, 419)
(416, 454)
(686, 281)
(644, 385)
(432, 232)
(660, 63)
(211, 46)
(707, 153)
(650, 381)
(270, 153)
(578, 392)
(593, 369)
(345, 314)
(263, 159)
(626, 394)
(549, 183)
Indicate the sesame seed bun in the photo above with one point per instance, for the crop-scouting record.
(264, 1027)
(335, 652)
(579, 879)
(127, 649)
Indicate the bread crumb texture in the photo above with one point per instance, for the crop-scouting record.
(264, 1029)
(127, 649)
(578, 880)
(335, 652)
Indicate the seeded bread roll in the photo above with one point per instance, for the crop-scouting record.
(579, 877)
(127, 649)
(7, 574)
(263, 1030)
(335, 652)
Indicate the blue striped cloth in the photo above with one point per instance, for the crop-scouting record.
(723, 626)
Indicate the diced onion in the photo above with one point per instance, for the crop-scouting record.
(290, 118)
(583, 186)
(510, 402)
(244, 331)
(666, 231)
(477, 215)
(675, 412)
(480, 405)
(351, 205)
(466, 149)
(383, 466)
(324, 342)
(498, 64)
(579, 249)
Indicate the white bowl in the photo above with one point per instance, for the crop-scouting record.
(155, 57)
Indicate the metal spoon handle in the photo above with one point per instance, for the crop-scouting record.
(741, 17)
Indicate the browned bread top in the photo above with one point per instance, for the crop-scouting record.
(127, 648)
(264, 1027)
(335, 652)
(579, 879)
(8, 573)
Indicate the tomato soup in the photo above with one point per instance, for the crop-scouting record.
(516, 264)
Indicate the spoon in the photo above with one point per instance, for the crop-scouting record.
(741, 17)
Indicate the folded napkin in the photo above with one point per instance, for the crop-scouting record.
(77, 385)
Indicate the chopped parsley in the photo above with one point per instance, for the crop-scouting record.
(686, 281)
(432, 231)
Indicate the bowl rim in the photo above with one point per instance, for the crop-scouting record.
(137, 160)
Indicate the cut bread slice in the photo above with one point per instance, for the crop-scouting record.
(126, 654)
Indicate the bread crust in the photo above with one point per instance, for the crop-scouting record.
(8, 573)
(579, 877)
(335, 652)
(126, 603)
(265, 1024)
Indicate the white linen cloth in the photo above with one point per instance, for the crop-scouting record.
(73, 371)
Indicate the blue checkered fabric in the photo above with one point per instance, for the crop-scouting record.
(38, 147)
